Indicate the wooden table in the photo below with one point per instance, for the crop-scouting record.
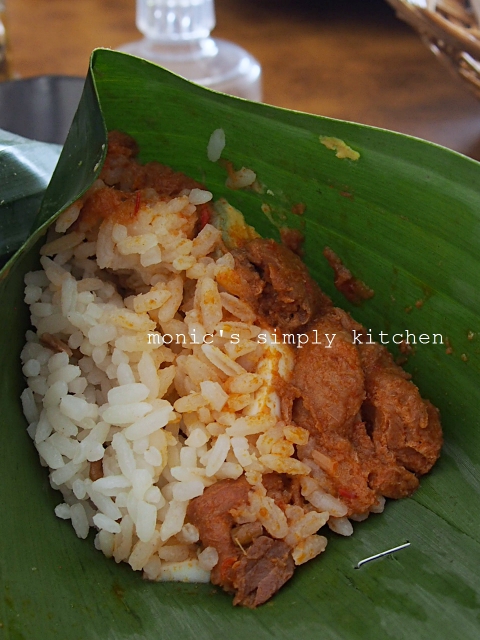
(346, 59)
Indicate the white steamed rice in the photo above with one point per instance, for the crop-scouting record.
(132, 430)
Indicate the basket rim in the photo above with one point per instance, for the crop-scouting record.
(433, 25)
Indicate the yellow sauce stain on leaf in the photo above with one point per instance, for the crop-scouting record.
(340, 147)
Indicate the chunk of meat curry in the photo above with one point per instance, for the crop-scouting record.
(365, 416)
(210, 513)
(276, 283)
(250, 564)
(371, 433)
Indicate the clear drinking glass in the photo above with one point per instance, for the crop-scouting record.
(177, 37)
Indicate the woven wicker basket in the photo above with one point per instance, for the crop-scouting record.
(450, 28)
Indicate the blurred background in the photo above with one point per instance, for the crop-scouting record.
(347, 59)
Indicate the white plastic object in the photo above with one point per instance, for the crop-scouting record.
(177, 37)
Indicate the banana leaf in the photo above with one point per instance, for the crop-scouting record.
(25, 170)
(405, 217)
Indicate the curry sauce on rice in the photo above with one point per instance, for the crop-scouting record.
(221, 453)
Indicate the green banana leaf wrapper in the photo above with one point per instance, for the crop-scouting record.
(25, 170)
(405, 218)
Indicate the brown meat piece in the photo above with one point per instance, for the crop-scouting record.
(210, 513)
(266, 567)
(244, 281)
(276, 283)
(291, 298)
(403, 426)
(256, 573)
(341, 458)
(330, 378)
(326, 395)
